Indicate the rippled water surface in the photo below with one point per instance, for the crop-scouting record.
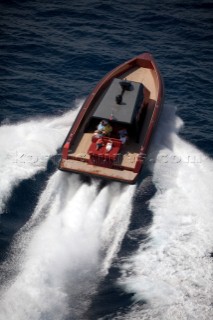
(73, 250)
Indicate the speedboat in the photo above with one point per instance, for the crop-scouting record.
(110, 136)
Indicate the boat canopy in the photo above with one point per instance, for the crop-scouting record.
(121, 101)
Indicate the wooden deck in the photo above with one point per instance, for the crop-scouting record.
(83, 167)
(145, 76)
(81, 146)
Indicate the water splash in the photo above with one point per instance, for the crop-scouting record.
(65, 248)
(70, 240)
(116, 223)
(172, 272)
(26, 148)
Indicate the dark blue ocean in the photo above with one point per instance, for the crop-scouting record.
(72, 249)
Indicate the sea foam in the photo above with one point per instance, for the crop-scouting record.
(172, 272)
(27, 146)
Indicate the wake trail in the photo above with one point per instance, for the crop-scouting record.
(172, 272)
(66, 247)
(70, 241)
(26, 148)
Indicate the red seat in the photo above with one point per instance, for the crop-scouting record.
(102, 157)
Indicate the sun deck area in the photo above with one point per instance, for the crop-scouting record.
(107, 173)
(145, 76)
(127, 156)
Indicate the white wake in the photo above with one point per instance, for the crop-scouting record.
(72, 236)
(62, 260)
(26, 148)
(172, 272)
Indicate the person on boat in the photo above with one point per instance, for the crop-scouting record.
(109, 146)
(102, 125)
(123, 138)
(122, 132)
(98, 134)
(99, 143)
(123, 135)
(107, 129)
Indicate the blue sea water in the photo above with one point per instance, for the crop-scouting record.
(73, 250)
